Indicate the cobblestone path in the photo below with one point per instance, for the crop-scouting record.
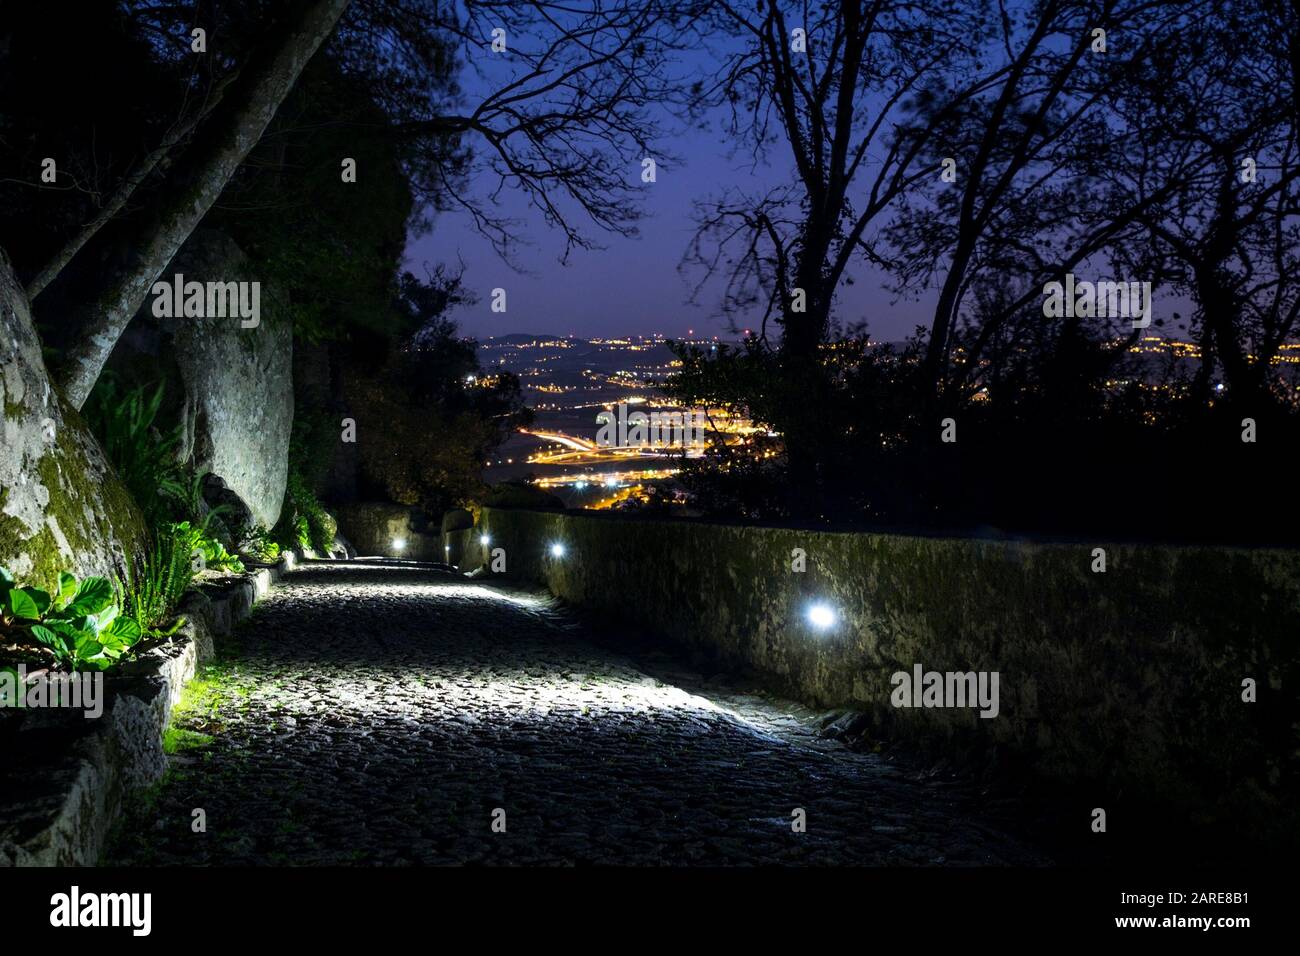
(377, 714)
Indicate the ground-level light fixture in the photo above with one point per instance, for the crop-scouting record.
(399, 544)
(484, 540)
(821, 615)
(557, 550)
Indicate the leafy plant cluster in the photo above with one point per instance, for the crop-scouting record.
(429, 414)
(92, 624)
(170, 493)
(260, 544)
(185, 533)
(204, 545)
(144, 456)
(304, 522)
(80, 623)
(152, 592)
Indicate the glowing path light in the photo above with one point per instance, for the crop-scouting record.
(822, 616)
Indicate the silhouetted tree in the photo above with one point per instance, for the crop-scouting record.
(1213, 114)
(835, 84)
(568, 124)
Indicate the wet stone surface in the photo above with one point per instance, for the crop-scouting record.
(379, 715)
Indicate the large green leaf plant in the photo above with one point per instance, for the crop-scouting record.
(80, 623)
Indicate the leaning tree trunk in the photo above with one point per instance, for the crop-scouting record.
(157, 159)
(193, 186)
(935, 368)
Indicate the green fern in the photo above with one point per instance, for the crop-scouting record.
(144, 456)
(151, 593)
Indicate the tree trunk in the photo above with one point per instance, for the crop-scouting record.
(194, 184)
(1222, 318)
(936, 351)
(1220, 305)
(156, 159)
(804, 379)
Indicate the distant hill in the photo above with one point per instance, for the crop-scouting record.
(522, 338)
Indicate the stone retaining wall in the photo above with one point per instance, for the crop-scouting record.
(1123, 682)
(381, 529)
(66, 778)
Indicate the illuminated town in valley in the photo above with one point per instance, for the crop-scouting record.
(570, 381)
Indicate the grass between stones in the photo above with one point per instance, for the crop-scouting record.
(198, 717)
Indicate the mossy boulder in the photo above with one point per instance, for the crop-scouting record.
(61, 504)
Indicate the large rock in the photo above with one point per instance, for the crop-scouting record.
(61, 504)
(238, 381)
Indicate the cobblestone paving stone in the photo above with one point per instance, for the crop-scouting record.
(378, 715)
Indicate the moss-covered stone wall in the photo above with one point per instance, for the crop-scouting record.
(1131, 678)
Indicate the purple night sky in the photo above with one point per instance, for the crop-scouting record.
(631, 286)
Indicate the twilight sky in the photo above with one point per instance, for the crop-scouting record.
(631, 286)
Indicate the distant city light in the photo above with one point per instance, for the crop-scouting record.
(557, 550)
(821, 616)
